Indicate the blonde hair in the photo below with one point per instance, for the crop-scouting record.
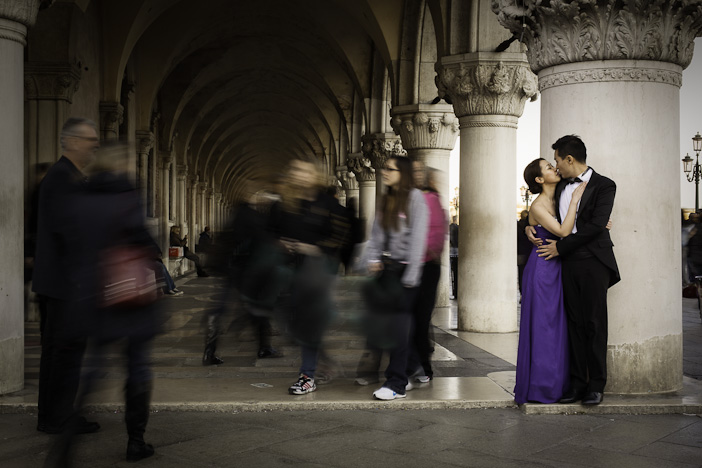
(292, 194)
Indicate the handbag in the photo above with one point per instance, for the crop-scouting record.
(128, 277)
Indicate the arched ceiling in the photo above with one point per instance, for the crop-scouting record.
(242, 87)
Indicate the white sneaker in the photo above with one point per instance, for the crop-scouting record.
(409, 386)
(177, 292)
(362, 381)
(384, 393)
(423, 379)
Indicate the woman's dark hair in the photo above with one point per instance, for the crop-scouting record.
(531, 172)
(395, 200)
(571, 145)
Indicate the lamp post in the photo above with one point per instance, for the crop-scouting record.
(526, 195)
(693, 172)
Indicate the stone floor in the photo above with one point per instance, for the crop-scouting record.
(239, 414)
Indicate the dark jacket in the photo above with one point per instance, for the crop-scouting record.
(593, 214)
(109, 213)
(53, 267)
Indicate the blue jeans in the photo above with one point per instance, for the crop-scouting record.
(170, 284)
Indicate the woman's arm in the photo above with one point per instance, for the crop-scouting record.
(541, 215)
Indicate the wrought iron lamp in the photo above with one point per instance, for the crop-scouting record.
(692, 172)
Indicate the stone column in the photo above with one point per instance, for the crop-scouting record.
(111, 115)
(164, 227)
(429, 133)
(616, 84)
(217, 212)
(488, 91)
(14, 19)
(192, 228)
(209, 207)
(202, 207)
(365, 175)
(181, 181)
(144, 145)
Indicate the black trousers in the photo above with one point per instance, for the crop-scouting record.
(422, 312)
(585, 284)
(62, 349)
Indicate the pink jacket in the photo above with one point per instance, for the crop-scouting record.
(438, 227)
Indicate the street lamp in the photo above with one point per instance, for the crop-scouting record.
(526, 195)
(693, 172)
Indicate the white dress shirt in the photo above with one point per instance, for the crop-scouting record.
(567, 196)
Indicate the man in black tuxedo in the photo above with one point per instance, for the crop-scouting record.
(589, 269)
(62, 326)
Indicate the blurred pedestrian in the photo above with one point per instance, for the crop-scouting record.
(419, 364)
(398, 244)
(61, 326)
(113, 243)
(307, 225)
(453, 255)
(523, 245)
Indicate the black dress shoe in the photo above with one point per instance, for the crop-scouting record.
(592, 398)
(82, 427)
(571, 396)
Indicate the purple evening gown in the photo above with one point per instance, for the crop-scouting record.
(542, 359)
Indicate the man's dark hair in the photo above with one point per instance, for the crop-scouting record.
(571, 145)
(69, 127)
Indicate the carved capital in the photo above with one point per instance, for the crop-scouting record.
(181, 172)
(346, 178)
(202, 187)
(615, 70)
(567, 31)
(361, 167)
(144, 141)
(426, 126)
(21, 11)
(486, 83)
(111, 115)
(380, 147)
(166, 161)
(51, 81)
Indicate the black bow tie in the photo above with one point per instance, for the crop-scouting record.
(574, 180)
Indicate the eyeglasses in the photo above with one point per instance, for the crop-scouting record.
(84, 138)
(390, 169)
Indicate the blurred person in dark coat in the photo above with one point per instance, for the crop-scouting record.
(109, 215)
(312, 228)
(177, 241)
(54, 279)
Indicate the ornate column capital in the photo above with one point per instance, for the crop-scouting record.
(144, 141)
(51, 81)
(379, 147)
(426, 126)
(361, 167)
(181, 172)
(111, 116)
(486, 83)
(165, 161)
(23, 12)
(346, 178)
(202, 187)
(567, 31)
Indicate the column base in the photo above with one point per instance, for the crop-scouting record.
(11, 364)
(654, 366)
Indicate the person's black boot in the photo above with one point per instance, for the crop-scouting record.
(136, 415)
(211, 335)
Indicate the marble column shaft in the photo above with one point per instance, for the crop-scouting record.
(488, 91)
(13, 33)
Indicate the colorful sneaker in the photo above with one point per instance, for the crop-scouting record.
(303, 385)
(385, 393)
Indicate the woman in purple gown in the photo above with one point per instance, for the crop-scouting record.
(542, 359)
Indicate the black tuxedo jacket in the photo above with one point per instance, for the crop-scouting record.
(53, 275)
(593, 214)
